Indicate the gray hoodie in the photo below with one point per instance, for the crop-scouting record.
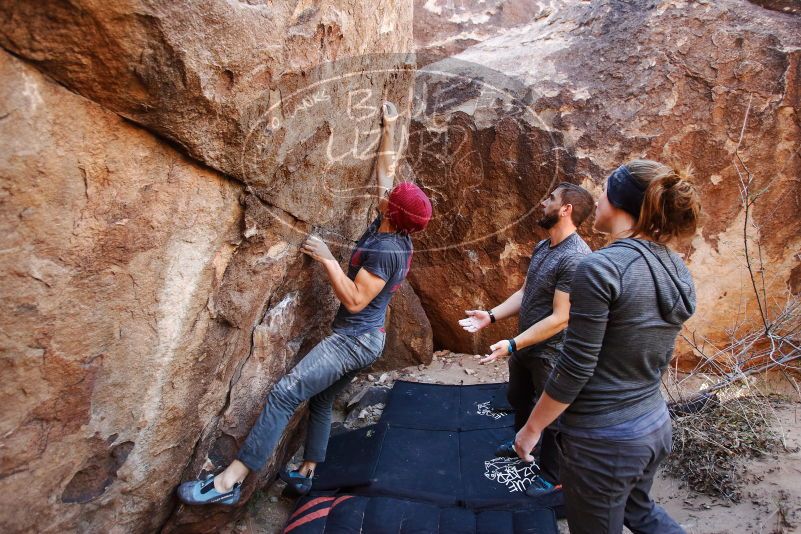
(628, 303)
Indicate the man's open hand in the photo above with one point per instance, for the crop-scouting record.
(475, 320)
(499, 350)
(317, 249)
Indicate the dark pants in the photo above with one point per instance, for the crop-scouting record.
(319, 376)
(528, 372)
(606, 484)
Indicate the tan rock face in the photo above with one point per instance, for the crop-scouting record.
(236, 83)
(152, 301)
(113, 244)
(409, 337)
(587, 88)
(443, 28)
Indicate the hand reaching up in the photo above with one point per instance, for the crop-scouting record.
(389, 114)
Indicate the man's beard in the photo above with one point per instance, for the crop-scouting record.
(548, 220)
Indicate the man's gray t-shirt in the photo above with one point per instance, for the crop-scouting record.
(551, 268)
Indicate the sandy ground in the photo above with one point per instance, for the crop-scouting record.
(771, 503)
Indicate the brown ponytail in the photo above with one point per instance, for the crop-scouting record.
(671, 206)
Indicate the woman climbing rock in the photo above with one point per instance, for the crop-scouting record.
(377, 267)
(629, 301)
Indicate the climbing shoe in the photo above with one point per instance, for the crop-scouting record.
(202, 491)
(506, 450)
(540, 487)
(297, 483)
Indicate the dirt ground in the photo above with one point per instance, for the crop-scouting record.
(770, 504)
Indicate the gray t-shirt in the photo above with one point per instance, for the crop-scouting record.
(551, 268)
(386, 255)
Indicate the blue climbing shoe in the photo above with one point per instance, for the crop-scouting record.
(197, 492)
(297, 483)
(506, 450)
(540, 488)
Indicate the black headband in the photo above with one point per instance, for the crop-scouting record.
(624, 191)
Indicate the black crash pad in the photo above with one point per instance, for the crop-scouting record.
(428, 465)
(445, 407)
(444, 467)
(347, 513)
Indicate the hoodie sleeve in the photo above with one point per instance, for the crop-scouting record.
(596, 284)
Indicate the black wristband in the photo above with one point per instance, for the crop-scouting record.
(492, 316)
(512, 345)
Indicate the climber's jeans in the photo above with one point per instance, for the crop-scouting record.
(319, 377)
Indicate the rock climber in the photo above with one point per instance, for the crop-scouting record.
(378, 265)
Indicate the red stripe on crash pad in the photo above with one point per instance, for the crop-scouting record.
(341, 499)
(323, 512)
(306, 518)
(310, 504)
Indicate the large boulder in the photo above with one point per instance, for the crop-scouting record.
(584, 89)
(273, 306)
(281, 95)
(152, 301)
(115, 247)
(443, 28)
(409, 339)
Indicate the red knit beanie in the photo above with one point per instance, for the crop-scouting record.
(409, 208)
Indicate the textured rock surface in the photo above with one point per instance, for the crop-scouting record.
(230, 82)
(443, 28)
(113, 244)
(604, 83)
(409, 337)
(151, 301)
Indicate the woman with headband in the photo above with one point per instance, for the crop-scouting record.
(629, 301)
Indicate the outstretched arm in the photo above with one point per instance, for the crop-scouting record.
(539, 331)
(549, 326)
(478, 319)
